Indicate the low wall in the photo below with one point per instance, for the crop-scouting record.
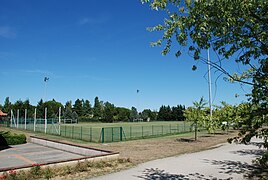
(77, 149)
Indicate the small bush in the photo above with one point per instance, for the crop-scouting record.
(67, 170)
(48, 174)
(35, 170)
(14, 139)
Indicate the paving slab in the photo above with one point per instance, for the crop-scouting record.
(44, 152)
(28, 154)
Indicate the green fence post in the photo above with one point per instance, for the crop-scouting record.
(142, 131)
(72, 132)
(81, 132)
(130, 132)
(178, 128)
(90, 133)
(184, 126)
(112, 134)
(169, 128)
(121, 132)
(102, 135)
(162, 129)
(152, 130)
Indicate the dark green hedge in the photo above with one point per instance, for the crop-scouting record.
(14, 139)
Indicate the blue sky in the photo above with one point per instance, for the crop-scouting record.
(97, 48)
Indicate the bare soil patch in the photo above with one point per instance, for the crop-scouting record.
(140, 151)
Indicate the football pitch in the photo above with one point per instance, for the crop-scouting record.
(108, 132)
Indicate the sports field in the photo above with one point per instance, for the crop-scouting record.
(111, 132)
(108, 132)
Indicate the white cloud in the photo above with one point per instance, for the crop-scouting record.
(37, 71)
(90, 20)
(7, 32)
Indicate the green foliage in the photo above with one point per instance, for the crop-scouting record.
(52, 108)
(242, 25)
(48, 174)
(134, 114)
(109, 112)
(7, 105)
(87, 109)
(233, 29)
(196, 114)
(78, 107)
(35, 170)
(167, 113)
(97, 109)
(164, 114)
(14, 139)
(122, 114)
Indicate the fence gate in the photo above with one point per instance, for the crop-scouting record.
(112, 134)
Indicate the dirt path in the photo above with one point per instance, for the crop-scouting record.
(228, 161)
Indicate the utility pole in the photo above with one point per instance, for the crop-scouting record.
(209, 86)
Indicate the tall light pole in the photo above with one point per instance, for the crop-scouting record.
(209, 86)
(138, 100)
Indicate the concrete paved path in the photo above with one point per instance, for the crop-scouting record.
(28, 154)
(228, 161)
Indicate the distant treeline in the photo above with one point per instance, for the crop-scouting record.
(99, 112)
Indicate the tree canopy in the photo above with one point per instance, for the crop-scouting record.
(234, 30)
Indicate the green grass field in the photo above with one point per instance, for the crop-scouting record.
(111, 132)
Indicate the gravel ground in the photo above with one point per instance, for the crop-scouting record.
(227, 161)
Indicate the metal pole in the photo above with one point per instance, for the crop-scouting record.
(45, 120)
(34, 118)
(11, 114)
(18, 115)
(209, 85)
(59, 118)
(25, 117)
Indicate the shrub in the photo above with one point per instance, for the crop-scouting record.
(35, 170)
(14, 139)
(3, 141)
(48, 174)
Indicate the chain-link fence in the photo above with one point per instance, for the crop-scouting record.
(99, 134)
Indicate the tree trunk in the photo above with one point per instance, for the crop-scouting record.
(195, 132)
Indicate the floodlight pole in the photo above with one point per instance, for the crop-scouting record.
(45, 120)
(209, 86)
(138, 101)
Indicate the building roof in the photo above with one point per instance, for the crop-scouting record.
(2, 113)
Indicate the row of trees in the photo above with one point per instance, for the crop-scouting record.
(100, 111)
(167, 113)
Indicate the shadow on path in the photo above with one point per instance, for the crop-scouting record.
(232, 167)
(256, 152)
(158, 174)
